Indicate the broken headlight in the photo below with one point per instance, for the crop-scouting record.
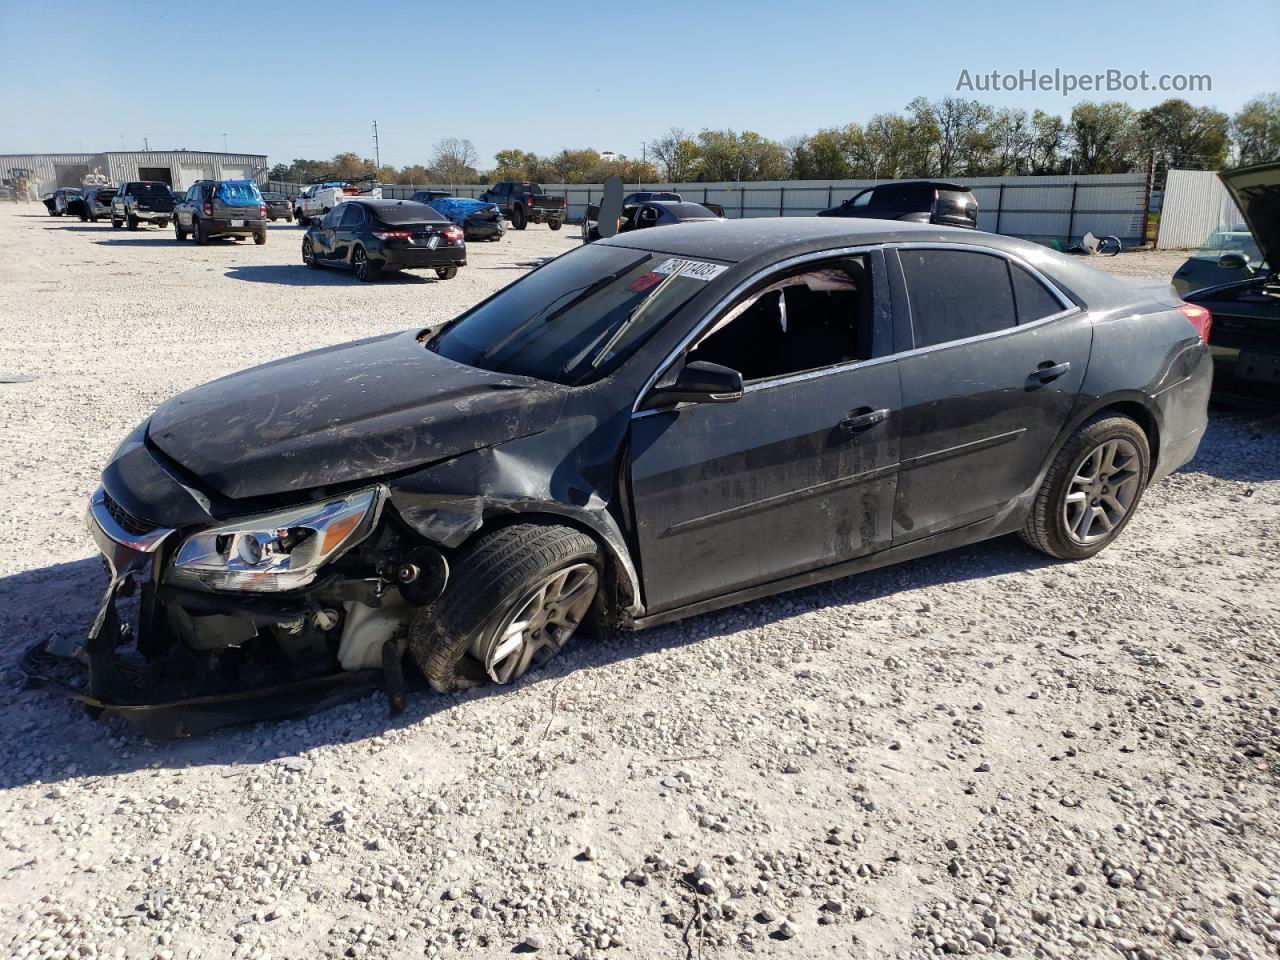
(276, 551)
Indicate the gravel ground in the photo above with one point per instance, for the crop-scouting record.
(980, 752)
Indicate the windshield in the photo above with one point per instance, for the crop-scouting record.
(272, 196)
(576, 318)
(1230, 241)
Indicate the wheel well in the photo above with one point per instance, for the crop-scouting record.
(1144, 419)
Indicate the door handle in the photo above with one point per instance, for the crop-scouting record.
(1050, 371)
(862, 418)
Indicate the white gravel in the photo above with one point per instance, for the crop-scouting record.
(978, 752)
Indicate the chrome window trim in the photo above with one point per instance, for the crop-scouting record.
(1069, 308)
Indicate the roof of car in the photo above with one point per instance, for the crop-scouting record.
(733, 241)
(385, 203)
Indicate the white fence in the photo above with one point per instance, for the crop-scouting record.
(1044, 209)
(1195, 205)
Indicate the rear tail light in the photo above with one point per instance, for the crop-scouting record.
(452, 234)
(392, 234)
(208, 209)
(1200, 318)
(262, 211)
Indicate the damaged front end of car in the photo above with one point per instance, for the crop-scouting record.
(261, 617)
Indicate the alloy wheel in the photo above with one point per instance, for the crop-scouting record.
(539, 625)
(308, 254)
(1102, 491)
(361, 264)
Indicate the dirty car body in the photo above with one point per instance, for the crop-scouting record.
(704, 414)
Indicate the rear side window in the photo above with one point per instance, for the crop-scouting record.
(352, 214)
(956, 294)
(1032, 299)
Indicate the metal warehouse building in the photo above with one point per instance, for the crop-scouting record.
(178, 168)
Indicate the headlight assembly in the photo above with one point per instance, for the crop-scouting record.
(276, 551)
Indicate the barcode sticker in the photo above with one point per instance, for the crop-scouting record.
(697, 269)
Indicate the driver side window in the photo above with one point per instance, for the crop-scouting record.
(817, 317)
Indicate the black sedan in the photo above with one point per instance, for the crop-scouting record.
(279, 206)
(372, 236)
(649, 213)
(1245, 313)
(653, 426)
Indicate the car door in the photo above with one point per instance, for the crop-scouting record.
(999, 355)
(350, 220)
(796, 474)
(325, 230)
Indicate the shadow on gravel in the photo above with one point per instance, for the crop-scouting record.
(52, 739)
(160, 239)
(300, 275)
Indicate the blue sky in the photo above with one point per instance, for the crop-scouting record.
(93, 75)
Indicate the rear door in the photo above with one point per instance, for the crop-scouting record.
(998, 360)
(351, 217)
(795, 475)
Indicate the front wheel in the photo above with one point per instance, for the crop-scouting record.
(518, 219)
(1091, 490)
(309, 254)
(178, 231)
(133, 222)
(516, 595)
(116, 223)
(554, 224)
(446, 273)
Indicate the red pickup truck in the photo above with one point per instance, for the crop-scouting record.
(523, 202)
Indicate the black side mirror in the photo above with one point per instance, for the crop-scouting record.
(1233, 261)
(698, 382)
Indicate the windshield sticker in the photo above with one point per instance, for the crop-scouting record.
(696, 269)
(644, 282)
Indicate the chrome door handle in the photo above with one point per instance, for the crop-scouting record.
(862, 418)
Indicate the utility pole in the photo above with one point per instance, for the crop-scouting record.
(377, 153)
(146, 147)
(224, 143)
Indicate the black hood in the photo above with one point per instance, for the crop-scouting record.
(351, 412)
(1256, 191)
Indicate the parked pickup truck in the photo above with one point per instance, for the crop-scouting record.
(142, 200)
(319, 198)
(523, 203)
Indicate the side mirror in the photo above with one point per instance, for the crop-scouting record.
(698, 382)
(1233, 261)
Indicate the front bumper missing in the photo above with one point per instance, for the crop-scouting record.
(164, 689)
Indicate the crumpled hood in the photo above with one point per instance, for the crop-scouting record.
(1256, 191)
(350, 412)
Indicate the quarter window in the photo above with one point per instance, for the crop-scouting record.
(1032, 299)
(956, 294)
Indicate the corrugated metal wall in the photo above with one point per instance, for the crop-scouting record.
(1060, 209)
(1195, 205)
(185, 166)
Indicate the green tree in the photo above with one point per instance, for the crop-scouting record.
(678, 154)
(1105, 137)
(1186, 136)
(1048, 137)
(1256, 130)
(513, 164)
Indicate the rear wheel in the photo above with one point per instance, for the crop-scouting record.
(518, 219)
(202, 236)
(446, 273)
(288, 219)
(1091, 490)
(162, 224)
(133, 222)
(260, 236)
(366, 270)
(116, 224)
(515, 597)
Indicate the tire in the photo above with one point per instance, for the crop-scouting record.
(554, 224)
(288, 219)
(179, 232)
(260, 237)
(133, 222)
(202, 237)
(446, 273)
(116, 224)
(1101, 502)
(162, 224)
(93, 219)
(518, 219)
(84, 218)
(309, 254)
(365, 269)
(492, 579)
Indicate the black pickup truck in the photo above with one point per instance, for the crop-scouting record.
(142, 201)
(523, 202)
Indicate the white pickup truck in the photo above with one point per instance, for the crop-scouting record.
(319, 198)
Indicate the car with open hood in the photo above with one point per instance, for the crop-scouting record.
(656, 425)
(1245, 337)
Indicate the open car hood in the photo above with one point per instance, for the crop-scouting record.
(1256, 191)
(344, 413)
